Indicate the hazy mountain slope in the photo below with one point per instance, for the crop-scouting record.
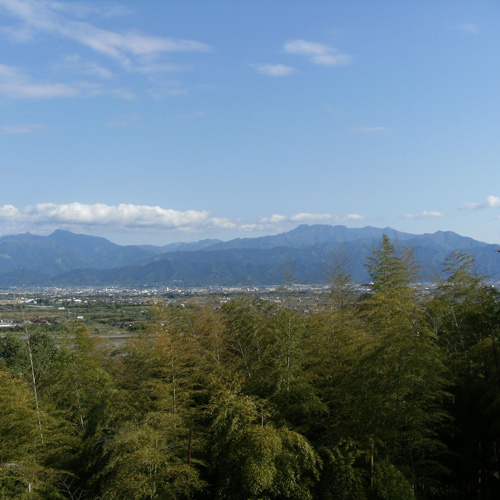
(36, 253)
(189, 247)
(305, 236)
(67, 259)
(91, 245)
(63, 251)
(23, 277)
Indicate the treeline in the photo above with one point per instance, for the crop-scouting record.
(391, 395)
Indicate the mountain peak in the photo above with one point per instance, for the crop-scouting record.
(82, 241)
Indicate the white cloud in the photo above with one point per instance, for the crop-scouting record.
(468, 28)
(493, 202)
(424, 215)
(274, 219)
(274, 69)
(82, 9)
(19, 86)
(222, 223)
(120, 216)
(490, 202)
(22, 129)
(8, 213)
(57, 18)
(304, 218)
(318, 53)
(130, 217)
(314, 218)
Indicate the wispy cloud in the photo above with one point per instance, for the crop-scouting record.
(60, 19)
(273, 69)
(82, 10)
(470, 205)
(490, 202)
(123, 121)
(371, 130)
(76, 64)
(318, 53)
(121, 93)
(154, 68)
(15, 84)
(28, 128)
(468, 28)
(166, 92)
(424, 215)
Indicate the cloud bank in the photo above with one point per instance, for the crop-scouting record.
(122, 216)
(126, 217)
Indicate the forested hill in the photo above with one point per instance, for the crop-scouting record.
(65, 258)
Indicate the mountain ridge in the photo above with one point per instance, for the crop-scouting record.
(65, 258)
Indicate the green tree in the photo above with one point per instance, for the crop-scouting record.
(251, 457)
(464, 314)
(154, 453)
(145, 462)
(27, 458)
(399, 402)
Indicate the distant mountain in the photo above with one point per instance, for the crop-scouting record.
(65, 259)
(305, 236)
(64, 251)
(190, 247)
(93, 245)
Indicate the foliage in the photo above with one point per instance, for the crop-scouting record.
(390, 394)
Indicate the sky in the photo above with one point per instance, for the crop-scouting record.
(165, 121)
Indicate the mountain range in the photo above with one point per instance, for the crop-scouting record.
(67, 259)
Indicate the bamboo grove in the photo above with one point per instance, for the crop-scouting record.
(388, 395)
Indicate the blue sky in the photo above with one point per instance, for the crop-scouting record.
(162, 121)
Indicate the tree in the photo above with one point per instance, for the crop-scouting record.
(145, 464)
(465, 309)
(399, 404)
(26, 459)
(464, 315)
(152, 455)
(253, 458)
